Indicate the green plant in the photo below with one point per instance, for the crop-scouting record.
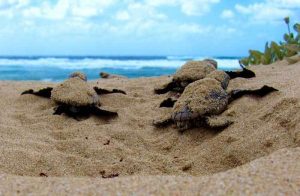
(276, 51)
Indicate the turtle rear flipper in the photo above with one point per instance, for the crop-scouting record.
(265, 90)
(104, 111)
(101, 91)
(218, 122)
(45, 92)
(245, 73)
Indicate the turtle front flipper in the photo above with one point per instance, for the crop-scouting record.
(45, 92)
(163, 121)
(265, 90)
(218, 122)
(167, 87)
(103, 111)
(101, 91)
(245, 73)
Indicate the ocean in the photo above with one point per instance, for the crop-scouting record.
(54, 68)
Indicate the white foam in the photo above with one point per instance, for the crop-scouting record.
(94, 63)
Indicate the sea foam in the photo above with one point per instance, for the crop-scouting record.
(53, 68)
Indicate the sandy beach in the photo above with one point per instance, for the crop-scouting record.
(45, 154)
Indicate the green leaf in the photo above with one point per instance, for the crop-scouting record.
(297, 27)
(290, 53)
(286, 37)
(277, 52)
(255, 57)
(287, 20)
(256, 53)
(245, 61)
(267, 56)
(298, 38)
(289, 38)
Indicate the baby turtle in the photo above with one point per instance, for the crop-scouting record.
(105, 75)
(218, 75)
(197, 70)
(76, 98)
(202, 102)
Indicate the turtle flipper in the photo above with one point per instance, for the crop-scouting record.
(45, 92)
(101, 91)
(103, 111)
(265, 90)
(163, 121)
(169, 86)
(218, 122)
(245, 73)
(59, 110)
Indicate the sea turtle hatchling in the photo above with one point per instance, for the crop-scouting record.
(76, 98)
(218, 75)
(202, 102)
(197, 70)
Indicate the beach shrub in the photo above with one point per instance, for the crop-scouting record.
(273, 52)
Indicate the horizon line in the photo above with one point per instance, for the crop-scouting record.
(97, 56)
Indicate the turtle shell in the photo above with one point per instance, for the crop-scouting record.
(75, 92)
(220, 76)
(201, 98)
(193, 70)
(79, 74)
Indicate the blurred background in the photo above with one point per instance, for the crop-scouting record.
(47, 39)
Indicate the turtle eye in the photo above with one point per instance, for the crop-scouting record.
(217, 95)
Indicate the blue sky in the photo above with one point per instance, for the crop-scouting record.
(141, 27)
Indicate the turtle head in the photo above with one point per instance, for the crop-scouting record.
(184, 119)
(79, 75)
(211, 62)
(184, 114)
(104, 75)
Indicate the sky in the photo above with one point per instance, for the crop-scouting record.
(142, 27)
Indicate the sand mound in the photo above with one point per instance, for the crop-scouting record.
(36, 143)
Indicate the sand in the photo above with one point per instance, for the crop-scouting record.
(260, 153)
